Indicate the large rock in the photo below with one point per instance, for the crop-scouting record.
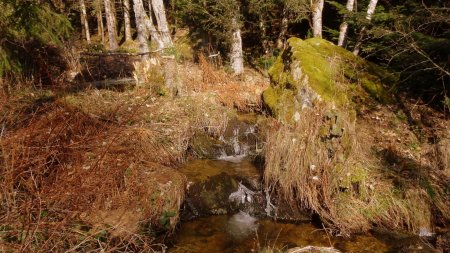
(313, 70)
(215, 195)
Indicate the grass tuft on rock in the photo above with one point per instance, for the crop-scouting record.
(321, 164)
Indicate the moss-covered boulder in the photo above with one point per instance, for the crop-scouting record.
(314, 70)
(342, 151)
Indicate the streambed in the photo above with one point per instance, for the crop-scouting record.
(241, 232)
(213, 222)
(220, 234)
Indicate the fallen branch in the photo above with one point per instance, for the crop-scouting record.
(122, 53)
(110, 83)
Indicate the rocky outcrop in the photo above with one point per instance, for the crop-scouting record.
(344, 151)
(313, 70)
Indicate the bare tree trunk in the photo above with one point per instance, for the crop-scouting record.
(283, 30)
(370, 11)
(148, 24)
(236, 54)
(84, 21)
(264, 42)
(126, 17)
(163, 27)
(114, 16)
(317, 8)
(156, 37)
(142, 32)
(111, 25)
(344, 25)
(100, 26)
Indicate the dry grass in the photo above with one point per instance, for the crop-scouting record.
(240, 92)
(65, 165)
(86, 171)
(338, 177)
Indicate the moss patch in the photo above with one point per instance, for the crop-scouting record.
(331, 72)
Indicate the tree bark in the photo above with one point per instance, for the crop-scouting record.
(236, 54)
(264, 42)
(156, 36)
(142, 32)
(111, 25)
(370, 10)
(84, 21)
(161, 19)
(344, 25)
(100, 26)
(284, 27)
(317, 9)
(126, 17)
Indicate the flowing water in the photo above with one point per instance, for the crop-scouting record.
(243, 233)
(238, 231)
(222, 234)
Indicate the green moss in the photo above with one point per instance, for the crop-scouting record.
(333, 73)
(271, 98)
(315, 65)
(278, 74)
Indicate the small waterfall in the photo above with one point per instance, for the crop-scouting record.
(240, 142)
(242, 195)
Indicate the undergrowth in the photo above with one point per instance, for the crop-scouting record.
(321, 164)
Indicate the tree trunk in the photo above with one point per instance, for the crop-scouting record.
(317, 9)
(142, 32)
(284, 27)
(236, 55)
(163, 27)
(126, 17)
(264, 42)
(344, 25)
(84, 21)
(156, 37)
(111, 25)
(370, 11)
(100, 27)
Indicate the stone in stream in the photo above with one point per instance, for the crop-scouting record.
(212, 196)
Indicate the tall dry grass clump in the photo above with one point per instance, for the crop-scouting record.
(325, 166)
(64, 167)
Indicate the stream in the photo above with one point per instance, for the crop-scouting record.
(226, 211)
